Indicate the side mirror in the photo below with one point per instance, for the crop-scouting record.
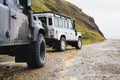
(29, 2)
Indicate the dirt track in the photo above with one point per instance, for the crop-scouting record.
(99, 61)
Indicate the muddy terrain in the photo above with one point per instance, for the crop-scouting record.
(99, 61)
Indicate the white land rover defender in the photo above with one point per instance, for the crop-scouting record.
(60, 30)
(21, 34)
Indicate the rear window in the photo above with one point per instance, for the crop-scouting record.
(43, 19)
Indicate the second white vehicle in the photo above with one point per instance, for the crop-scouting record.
(60, 30)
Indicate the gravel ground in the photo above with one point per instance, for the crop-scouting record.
(99, 61)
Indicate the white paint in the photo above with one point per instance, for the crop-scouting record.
(106, 14)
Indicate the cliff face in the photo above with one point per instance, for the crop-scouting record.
(84, 23)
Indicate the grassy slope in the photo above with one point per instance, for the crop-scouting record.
(66, 8)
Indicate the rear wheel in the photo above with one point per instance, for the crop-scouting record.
(38, 51)
(78, 44)
(62, 44)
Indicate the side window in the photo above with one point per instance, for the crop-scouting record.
(56, 22)
(70, 24)
(65, 24)
(60, 22)
(50, 21)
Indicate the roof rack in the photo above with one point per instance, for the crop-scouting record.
(53, 13)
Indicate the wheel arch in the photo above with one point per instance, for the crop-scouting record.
(62, 36)
(79, 36)
(41, 31)
(37, 31)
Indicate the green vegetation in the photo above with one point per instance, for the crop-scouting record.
(84, 23)
(89, 36)
(1, 77)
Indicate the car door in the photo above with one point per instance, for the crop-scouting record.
(71, 31)
(66, 28)
(4, 22)
(18, 22)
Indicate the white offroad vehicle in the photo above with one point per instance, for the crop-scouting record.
(60, 30)
(21, 34)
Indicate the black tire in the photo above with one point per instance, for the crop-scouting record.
(38, 51)
(78, 44)
(62, 44)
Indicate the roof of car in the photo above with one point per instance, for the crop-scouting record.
(53, 13)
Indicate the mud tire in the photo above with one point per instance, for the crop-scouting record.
(38, 51)
(62, 44)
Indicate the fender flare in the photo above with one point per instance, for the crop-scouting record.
(78, 36)
(37, 29)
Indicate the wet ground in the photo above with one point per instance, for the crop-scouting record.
(99, 61)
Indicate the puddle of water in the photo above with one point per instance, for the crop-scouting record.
(68, 78)
(66, 61)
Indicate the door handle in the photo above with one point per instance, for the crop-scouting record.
(14, 16)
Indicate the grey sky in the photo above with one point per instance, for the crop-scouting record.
(106, 14)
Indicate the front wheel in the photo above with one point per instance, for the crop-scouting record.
(38, 51)
(78, 44)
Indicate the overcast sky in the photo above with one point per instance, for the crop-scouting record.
(106, 14)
